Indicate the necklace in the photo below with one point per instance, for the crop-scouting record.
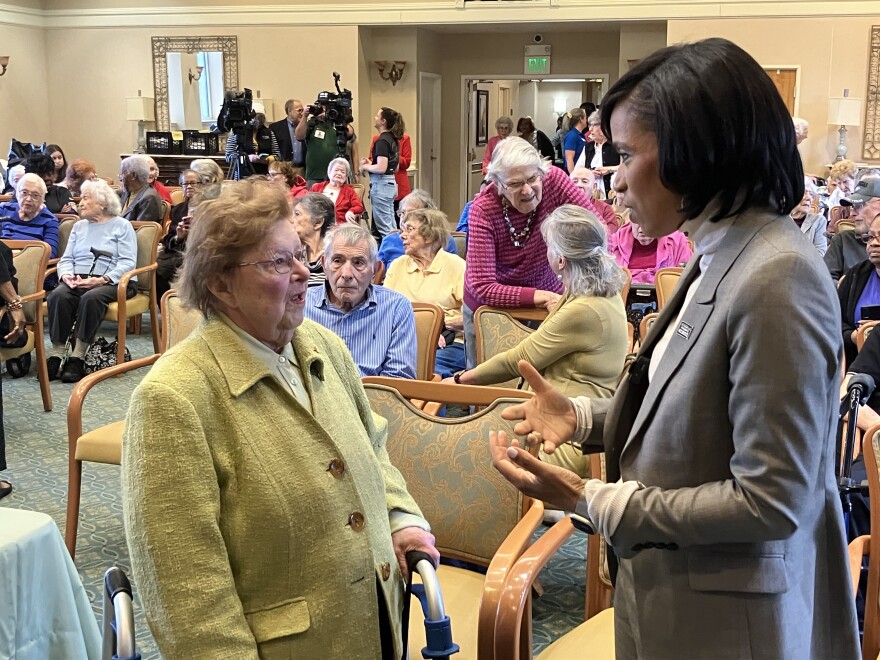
(519, 238)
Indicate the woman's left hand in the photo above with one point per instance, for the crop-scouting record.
(90, 282)
(351, 216)
(18, 320)
(413, 538)
(70, 207)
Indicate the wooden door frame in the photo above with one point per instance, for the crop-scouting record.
(797, 82)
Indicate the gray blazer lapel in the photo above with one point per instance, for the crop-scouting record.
(695, 316)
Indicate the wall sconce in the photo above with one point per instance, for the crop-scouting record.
(394, 71)
(197, 75)
(4, 62)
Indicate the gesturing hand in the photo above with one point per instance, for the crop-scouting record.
(531, 476)
(547, 418)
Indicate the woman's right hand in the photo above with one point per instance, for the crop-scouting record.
(548, 418)
(546, 299)
(69, 280)
(183, 228)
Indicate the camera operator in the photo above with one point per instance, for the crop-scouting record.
(381, 165)
(319, 135)
(261, 149)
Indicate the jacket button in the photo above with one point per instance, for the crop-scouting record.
(336, 468)
(356, 521)
(386, 571)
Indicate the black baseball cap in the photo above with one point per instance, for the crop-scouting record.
(865, 190)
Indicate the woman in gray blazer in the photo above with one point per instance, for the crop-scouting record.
(721, 505)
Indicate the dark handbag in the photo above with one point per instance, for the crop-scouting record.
(19, 151)
(102, 354)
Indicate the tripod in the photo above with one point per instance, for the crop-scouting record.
(242, 167)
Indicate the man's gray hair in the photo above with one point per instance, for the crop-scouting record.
(104, 195)
(514, 152)
(139, 165)
(419, 199)
(208, 171)
(579, 237)
(32, 178)
(350, 235)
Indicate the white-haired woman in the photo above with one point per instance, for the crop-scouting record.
(140, 201)
(348, 205)
(503, 128)
(27, 218)
(89, 279)
(507, 256)
(581, 347)
(599, 155)
(813, 225)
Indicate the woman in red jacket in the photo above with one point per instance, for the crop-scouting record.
(348, 205)
(400, 175)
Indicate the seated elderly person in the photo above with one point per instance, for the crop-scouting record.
(157, 185)
(101, 249)
(429, 274)
(841, 182)
(313, 216)
(847, 248)
(140, 201)
(644, 256)
(78, 172)
(376, 323)
(392, 244)
(813, 225)
(27, 219)
(12, 176)
(57, 199)
(348, 205)
(581, 346)
(587, 180)
(250, 452)
(860, 288)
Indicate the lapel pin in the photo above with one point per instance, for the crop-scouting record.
(684, 330)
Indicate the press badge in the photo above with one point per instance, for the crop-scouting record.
(319, 134)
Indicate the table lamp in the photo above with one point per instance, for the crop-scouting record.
(844, 111)
(140, 109)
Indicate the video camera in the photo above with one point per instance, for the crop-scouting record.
(336, 106)
(237, 111)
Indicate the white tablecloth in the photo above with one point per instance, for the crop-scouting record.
(44, 609)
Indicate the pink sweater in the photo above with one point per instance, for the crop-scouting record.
(499, 273)
(672, 250)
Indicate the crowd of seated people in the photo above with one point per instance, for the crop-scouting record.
(847, 248)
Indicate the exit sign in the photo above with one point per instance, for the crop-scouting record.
(537, 60)
(537, 65)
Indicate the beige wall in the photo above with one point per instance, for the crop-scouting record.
(119, 62)
(832, 54)
(497, 54)
(24, 96)
(638, 40)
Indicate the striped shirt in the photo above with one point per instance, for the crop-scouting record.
(499, 273)
(380, 332)
(43, 227)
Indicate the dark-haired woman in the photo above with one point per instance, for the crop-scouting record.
(381, 165)
(59, 163)
(720, 504)
(58, 199)
(527, 130)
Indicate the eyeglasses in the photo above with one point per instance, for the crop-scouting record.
(870, 237)
(184, 184)
(281, 262)
(272, 175)
(408, 228)
(517, 185)
(27, 194)
(401, 213)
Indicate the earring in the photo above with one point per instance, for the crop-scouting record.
(559, 276)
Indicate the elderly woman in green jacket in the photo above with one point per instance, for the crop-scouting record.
(263, 516)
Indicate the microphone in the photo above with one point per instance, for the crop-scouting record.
(862, 384)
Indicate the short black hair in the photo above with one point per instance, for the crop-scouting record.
(40, 164)
(722, 128)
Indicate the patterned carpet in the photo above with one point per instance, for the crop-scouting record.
(37, 457)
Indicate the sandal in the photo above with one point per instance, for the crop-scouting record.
(5, 489)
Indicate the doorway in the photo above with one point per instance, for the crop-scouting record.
(428, 147)
(785, 79)
(516, 96)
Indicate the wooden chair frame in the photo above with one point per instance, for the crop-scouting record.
(665, 282)
(863, 331)
(36, 326)
(862, 546)
(427, 345)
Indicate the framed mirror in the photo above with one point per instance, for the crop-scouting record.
(191, 76)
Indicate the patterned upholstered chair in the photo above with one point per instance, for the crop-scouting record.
(475, 514)
(460, 239)
(499, 330)
(31, 259)
(104, 444)
(148, 237)
(594, 638)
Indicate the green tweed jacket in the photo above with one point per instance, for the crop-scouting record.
(257, 529)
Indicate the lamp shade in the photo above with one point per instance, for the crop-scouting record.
(139, 108)
(844, 111)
